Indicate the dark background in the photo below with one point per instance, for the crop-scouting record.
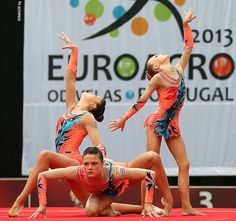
(12, 41)
(11, 89)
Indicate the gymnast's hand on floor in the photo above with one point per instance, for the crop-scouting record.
(68, 42)
(149, 210)
(41, 210)
(116, 124)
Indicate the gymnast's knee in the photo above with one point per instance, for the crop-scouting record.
(184, 166)
(44, 155)
(92, 210)
(153, 156)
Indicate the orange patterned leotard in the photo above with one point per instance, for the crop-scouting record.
(70, 135)
(107, 186)
(165, 120)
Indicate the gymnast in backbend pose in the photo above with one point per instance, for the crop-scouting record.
(78, 122)
(168, 82)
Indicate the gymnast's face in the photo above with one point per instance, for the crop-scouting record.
(159, 59)
(93, 165)
(91, 97)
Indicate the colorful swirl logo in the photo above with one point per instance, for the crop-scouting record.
(94, 9)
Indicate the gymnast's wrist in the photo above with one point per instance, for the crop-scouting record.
(148, 199)
(124, 118)
(75, 49)
(147, 203)
(187, 28)
(186, 25)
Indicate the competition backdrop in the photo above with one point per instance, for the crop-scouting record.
(115, 39)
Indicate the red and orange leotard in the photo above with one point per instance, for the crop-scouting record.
(171, 99)
(70, 135)
(107, 186)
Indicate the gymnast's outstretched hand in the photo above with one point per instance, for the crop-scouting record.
(189, 16)
(41, 210)
(116, 124)
(68, 43)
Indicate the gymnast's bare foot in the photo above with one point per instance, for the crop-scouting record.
(190, 211)
(15, 210)
(167, 206)
(116, 213)
(111, 212)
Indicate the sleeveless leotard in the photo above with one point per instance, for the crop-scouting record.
(70, 135)
(107, 186)
(165, 121)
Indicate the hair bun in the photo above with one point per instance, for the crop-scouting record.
(100, 118)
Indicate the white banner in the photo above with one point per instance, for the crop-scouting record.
(115, 39)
